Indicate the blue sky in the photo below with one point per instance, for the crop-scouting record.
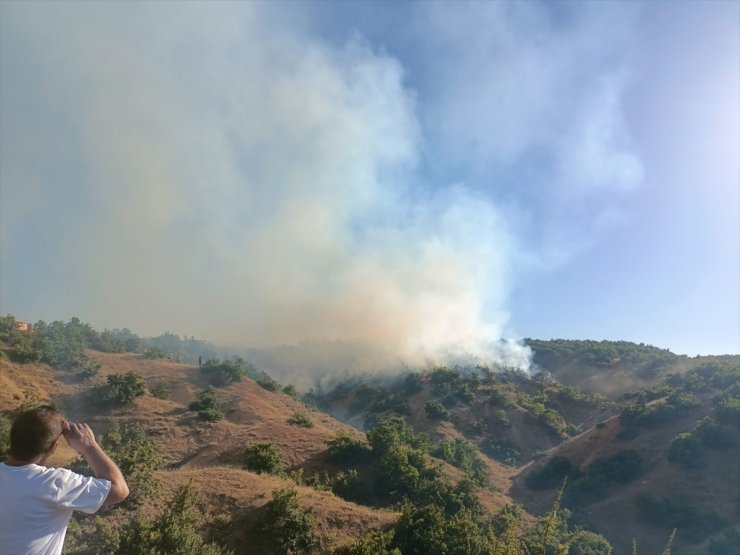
(428, 177)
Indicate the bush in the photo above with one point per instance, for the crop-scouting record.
(436, 411)
(162, 389)
(391, 433)
(224, 372)
(301, 420)
(552, 474)
(346, 450)
(412, 384)
(504, 451)
(584, 542)
(268, 383)
(123, 389)
(155, 353)
(5, 425)
(463, 455)
(685, 449)
(263, 457)
(90, 369)
(207, 405)
(136, 454)
(622, 467)
(712, 435)
(26, 348)
(291, 526)
(174, 530)
(376, 542)
(348, 485)
(291, 391)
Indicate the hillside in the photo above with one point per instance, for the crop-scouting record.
(531, 423)
(209, 454)
(431, 458)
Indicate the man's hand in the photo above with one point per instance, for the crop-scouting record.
(79, 437)
(82, 439)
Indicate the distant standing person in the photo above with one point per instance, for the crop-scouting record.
(36, 502)
(200, 361)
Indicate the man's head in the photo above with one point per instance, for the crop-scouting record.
(35, 432)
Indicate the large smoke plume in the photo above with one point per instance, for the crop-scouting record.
(224, 174)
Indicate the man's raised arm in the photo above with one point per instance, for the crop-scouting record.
(82, 439)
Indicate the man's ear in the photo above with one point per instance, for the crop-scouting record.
(53, 447)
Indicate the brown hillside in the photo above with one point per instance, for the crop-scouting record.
(708, 488)
(207, 453)
(239, 495)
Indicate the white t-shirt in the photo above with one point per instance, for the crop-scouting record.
(36, 504)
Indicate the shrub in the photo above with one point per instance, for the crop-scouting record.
(584, 542)
(552, 474)
(4, 437)
(155, 352)
(504, 451)
(291, 391)
(207, 405)
(711, 434)
(621, 467)
(290, 525)
(428, 530)
(224, 372)
(301, 420)
(436, 411)
(345, 450)
(162, 389)
(27, 347)
(123, 389)
(728, 404)
(268, 383)
(390, 433)
(376, 542)
(263, 457)
(173, 530)
(136, 454)
(90, 369)
(463, 455)
(685, 449)
(348, 485)
(412, 384)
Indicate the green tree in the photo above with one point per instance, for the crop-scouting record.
(224, 372)
(173, 531)
(207, 405)
(4, 437)
(344, 449)
(123, 389)
(686, 450)
(376, 542)
(136, 454)
(263, 457)
(584, 542)
(436, 411)
(291, 526)
(301, 420)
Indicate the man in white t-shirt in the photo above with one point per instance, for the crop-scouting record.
(36, 502)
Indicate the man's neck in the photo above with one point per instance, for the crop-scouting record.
(12, 461)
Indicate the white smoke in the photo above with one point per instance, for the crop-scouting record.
(225, 174)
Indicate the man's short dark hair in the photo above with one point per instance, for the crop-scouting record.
(34, 431)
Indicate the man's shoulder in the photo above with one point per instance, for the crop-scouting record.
(38, 472)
